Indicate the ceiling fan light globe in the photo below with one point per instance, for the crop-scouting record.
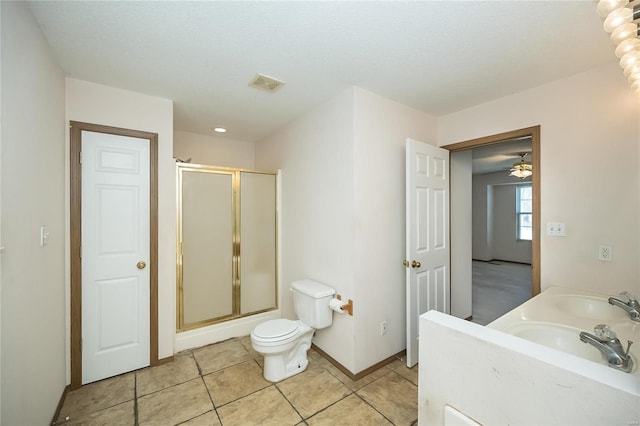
(628, 45)
(605, 7)
(617, 18)
(630, 58)
(624, 32)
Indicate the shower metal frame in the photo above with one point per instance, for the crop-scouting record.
(235, 173)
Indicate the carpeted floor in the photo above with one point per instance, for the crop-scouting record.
(498, 287)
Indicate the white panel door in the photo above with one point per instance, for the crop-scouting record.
(427, 236)
(115, 255)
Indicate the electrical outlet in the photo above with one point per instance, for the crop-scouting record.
(383, 328)
(605, 253)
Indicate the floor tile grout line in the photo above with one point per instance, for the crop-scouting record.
(404, 378)
(230, 366)
(328, 406)
(379, 378)
(169, 387)
(372, 406)
(195, 417)
(290, 403)
(213, 404)
(354, 381)
(242, 397)
(202, 373)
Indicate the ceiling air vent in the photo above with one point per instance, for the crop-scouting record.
(266, 83)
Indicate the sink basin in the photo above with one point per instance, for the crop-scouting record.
(560, 337)
(588, 307)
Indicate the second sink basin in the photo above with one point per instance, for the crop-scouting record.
(560, 337)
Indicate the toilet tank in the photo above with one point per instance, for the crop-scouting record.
(311, 302)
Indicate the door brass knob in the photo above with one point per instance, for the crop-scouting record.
(405, 263)
(415, 264)
(141, 265)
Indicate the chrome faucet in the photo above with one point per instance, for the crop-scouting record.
(607, 343)
(629, 303)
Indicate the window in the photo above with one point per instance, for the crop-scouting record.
(524, 213)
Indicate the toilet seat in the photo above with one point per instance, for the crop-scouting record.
(277, 330)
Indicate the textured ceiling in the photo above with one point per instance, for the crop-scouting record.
(436, 56)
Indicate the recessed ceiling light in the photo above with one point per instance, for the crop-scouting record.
(219, 130)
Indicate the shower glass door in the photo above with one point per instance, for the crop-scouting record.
(226, 253)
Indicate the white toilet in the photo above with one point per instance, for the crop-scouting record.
(284, 343)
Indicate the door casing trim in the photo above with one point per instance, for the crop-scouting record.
(534, 133)
(76, 238)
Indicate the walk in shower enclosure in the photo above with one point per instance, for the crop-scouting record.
(227, 244)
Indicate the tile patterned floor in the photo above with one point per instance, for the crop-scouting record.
(222, 384)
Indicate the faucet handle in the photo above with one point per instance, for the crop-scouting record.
(629, 343)
(603, 331)
(629, 297)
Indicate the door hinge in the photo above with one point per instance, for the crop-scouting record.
(81, 344)
(80, 157)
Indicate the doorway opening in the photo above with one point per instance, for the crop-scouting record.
(466, 300)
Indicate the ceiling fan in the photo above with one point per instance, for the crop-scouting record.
(522, 169)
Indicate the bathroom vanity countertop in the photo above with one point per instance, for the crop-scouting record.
(571, 311)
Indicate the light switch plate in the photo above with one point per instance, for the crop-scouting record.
(556, 229)
(44, 235)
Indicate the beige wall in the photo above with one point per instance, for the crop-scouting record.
(94, 103)
(315, 154)
(343, 215)
(381, 127)
(32, 176)
(589, 120)
(213, 150)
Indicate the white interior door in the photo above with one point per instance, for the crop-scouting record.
(115, 255)
(427, 239)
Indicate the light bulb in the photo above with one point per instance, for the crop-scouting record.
(630, 58)
(624, 32)
(617, 18)
(627, 46)
(632, 69)
(605, 7)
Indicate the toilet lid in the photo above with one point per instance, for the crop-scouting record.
(276, 329)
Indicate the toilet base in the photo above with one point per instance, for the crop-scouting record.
(275, 370)
(278, 367)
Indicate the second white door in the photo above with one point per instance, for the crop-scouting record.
(427, 236)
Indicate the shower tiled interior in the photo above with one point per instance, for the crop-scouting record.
(222, 384)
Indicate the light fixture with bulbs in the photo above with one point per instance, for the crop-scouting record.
(522, 169)
(621, 20)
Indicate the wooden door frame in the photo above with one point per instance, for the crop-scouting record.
(76, 238)
(534, 133)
